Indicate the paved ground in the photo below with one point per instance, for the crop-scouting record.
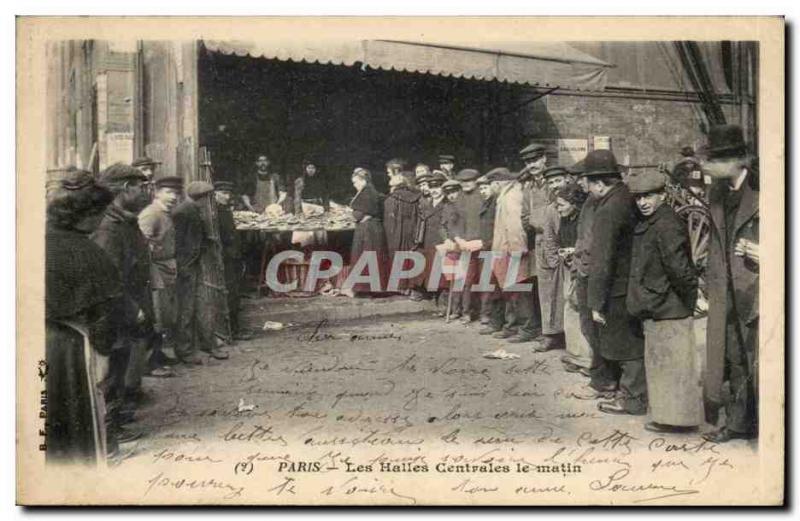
(414, 391)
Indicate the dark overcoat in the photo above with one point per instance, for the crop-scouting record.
(615, 217)
(400, 219)
(744, 224)
(369, 234)
(663, 279)
(118, 234)
(82, 287)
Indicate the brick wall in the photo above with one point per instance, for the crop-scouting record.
(644, 130)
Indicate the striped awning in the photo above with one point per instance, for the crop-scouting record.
(539, 64)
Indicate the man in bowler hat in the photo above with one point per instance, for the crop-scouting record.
(732, 285)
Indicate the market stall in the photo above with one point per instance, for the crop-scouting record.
(274, 230)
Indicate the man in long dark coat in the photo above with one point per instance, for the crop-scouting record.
(733, 265)
(492, 307)
(192, 239)
(662, 291)
(429, 229)
(231, 254)
(620, 338)
(119, 236)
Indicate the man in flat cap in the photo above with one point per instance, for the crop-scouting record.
(447, 165)
(146, 166)
(545, 255)
(462, 225)
(534, 207)
(429, 235)
(510, 244)
(620, 369)
(231, 254)
(119, 236)
(155, 223)
(732, 284)
(192, 240)
(662, 291)
(492, 314)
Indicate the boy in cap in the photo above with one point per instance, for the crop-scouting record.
(462, 226)
(231, 254)
(732, 284)
(155, 223)
(192, 239)
(662, 290)
(620, 372)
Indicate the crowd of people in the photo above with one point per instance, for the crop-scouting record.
(124, 297)
(606, 259)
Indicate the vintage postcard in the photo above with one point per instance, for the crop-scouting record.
(400, 261)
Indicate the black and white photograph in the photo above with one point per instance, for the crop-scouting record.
(328, 262)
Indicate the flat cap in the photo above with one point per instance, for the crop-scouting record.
(533, 151)
(483, 180)
(424, 177)
(554, 171)
(451, 186)
(500, 174)
(437, 178)
(467, 174)
(445, 158)
(170, 182)
(76, 179)
(198, 189)
(224, 186)
(142, 161)
(120, 172)
(646, 181)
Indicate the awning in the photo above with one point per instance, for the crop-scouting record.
(540, 64)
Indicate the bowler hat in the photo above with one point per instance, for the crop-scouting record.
(500, 174)
(646, 181)
(198, 189)
(142, 161)
(223, 186)
(170, 182)
(532, 151)
(120, 172)
(554, 171)
(599, 163)
(468, 174)
(726, 141)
